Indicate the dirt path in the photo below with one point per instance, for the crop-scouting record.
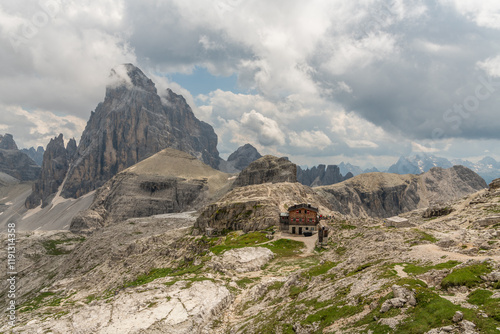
(435, 254)
(310, 242)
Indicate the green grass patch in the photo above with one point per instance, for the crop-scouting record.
(285, 247)
(52, 249)
(242, 283)
(466, 276)
(362, 267)
(424, 236)
(417, 270)
(347, 227)
(431, 311)
(341, 250)
(234, 241)
(483, 299)
(43, 299)
(328, 316)
(319, 269)
(275, 286)
(296, 290)
(156, 273)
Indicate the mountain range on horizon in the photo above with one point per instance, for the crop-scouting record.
(488, 168)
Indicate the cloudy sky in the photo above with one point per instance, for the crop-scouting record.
(319, 81)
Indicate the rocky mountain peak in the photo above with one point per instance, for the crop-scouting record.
(321, 175)
(267, 169)
(35, 155)
(71, 148)
(131, 124)
(131, 76)
(7, 142)
(243, 156)
(15, 163)
(54, 168)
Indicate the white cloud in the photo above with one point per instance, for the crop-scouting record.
(370, 76)
(310, 139)
(267, 130)
(491, 66)
(485, 13)
(416, 147)
(36, 128)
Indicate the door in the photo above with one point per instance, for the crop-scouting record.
(300, 230)
(293, 229)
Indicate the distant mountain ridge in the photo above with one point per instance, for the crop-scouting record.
(385, 194)
(15, 163)
(35, 155)
(321, 175)
(240, 159)
(488, 168)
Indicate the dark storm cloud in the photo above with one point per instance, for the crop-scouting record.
(432, 68)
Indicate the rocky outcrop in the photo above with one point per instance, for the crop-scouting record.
(15, 163)
(71, 148)
(402, 297)
(183, 308)
(240, 159)
(495, 185)
(170, 181)
(35, 155)
(256, 207)
(385, 195)
(133, 123)
(268, 169)
(242, 260)
(7, 142)
(54, 168)
(321, 175)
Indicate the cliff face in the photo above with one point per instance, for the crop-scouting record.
(384, 195)
(55, 165)
(132, 124)
(321, 175)
(7, 142)
(15, 163)
(267, 169)
(169, 181)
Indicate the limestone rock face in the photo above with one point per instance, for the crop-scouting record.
(181, 308)
(385, 195)
(7, 142)
(268, 169)
(54, 168)
(35, 155)
(15, 163)
(495, 185)
(133, 123)
(170, 181)
(243, 260)
(321, 175)
(240, 159)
